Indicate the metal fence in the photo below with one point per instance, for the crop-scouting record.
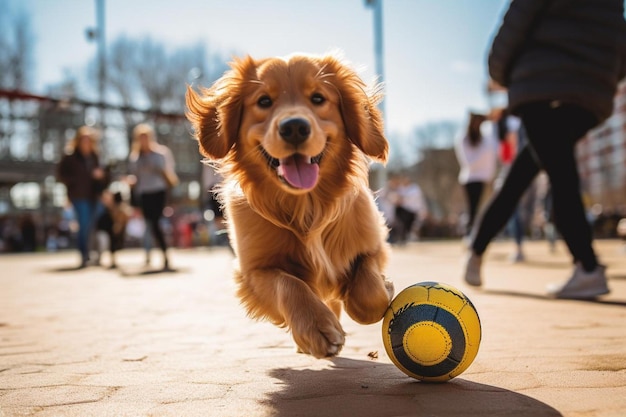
(35, 130)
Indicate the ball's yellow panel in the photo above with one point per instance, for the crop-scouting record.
(431, 331)
(469, 317)
(448, 297)
(409, 295)
(437, 347)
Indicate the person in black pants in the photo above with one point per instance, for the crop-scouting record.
(561, 62)
(152, 169)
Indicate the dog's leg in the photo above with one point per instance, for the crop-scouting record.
(335, 306)
(287, 300)
(368, 294)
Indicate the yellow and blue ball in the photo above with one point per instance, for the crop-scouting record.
(431, 331)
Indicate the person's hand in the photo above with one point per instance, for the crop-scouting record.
(98, 173)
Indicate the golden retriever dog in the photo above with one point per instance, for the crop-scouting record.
(293, 138)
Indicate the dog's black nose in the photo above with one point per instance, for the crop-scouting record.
(294, 130)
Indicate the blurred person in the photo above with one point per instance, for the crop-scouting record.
(477, 153)
(152, 170)
(409, 208)
(561, 62)
(137, 227)
(386, 199)
(85, 179)
(542, 219)
(548, 218)
(146, 242)
(621, 231)
(511, 137)
(52, 239)
(212, 180)
(111, 225)
(28, 230)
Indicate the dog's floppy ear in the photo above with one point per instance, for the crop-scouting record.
(202, 111)
(215, 112)
(361, 116)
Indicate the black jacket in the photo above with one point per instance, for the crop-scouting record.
(75, 171)
(573, 51)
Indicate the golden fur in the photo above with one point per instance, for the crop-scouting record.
(303, 250)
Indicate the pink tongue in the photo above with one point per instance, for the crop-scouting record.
(299, 172)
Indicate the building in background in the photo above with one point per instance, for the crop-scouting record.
(602, 160)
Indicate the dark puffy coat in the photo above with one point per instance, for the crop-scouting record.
(572, 51)
(75, 171)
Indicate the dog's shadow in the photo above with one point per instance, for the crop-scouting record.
(368, 388)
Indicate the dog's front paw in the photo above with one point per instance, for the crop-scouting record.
(390, 289)
(322, 336)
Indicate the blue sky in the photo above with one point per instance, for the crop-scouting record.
(434, 50)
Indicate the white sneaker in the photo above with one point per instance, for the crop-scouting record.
(517, 257)
(473, 263)
(582, 285)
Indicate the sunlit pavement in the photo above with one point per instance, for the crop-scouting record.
(137, 342)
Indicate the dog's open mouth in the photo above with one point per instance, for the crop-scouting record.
(298, 171)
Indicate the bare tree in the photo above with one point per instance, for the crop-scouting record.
(16, 49)
(437, 174)
(121, 69)
(152, 71)
(144, 70)
(189, 66)
(438, 134)
(438, 169)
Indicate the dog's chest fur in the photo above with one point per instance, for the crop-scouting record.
(316, 247)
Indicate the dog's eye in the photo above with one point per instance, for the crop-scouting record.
(264, 102)
(317, 98)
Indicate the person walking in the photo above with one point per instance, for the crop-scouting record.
(152, 170)
(477, 153)
(80, 171)
(561, 62)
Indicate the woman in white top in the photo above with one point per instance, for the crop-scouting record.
(477, 154)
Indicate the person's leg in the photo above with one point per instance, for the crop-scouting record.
(103, 242)
(96, 209)
(83, 218)
(147, 240)
(153, 205)
(517, 229)
(116, 243)
(406, 219)
(499, 211)
(501, 207)
(473, 192)
(553, 133)
(410, 223)
(157, 233)
(400, 223)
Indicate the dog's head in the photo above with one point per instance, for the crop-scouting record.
(300, 121)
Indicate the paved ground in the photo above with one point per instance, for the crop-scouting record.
(95, 342)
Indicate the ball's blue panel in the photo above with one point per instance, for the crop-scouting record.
(411, 314)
